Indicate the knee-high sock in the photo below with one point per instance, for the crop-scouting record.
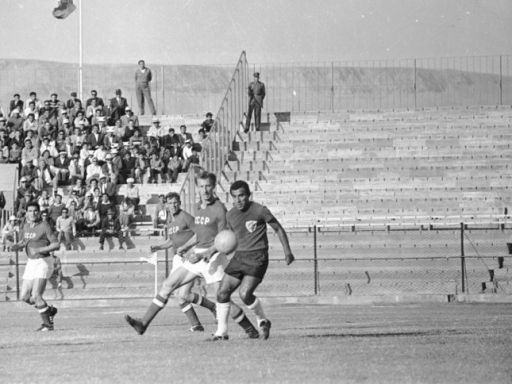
(189, 311)
(44, 313)
(222, 318)
(258, 310)
(203, 302)
(156, 306)
(239, 316)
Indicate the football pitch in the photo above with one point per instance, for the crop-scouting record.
(426, 343)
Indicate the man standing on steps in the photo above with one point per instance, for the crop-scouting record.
(143, 77)
(256, 96)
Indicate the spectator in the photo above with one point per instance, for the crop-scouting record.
(101, 154)
(132, 192)
(192, 160)
(93, 170)
(49, 146)
(32, 136)
(95, 138)
(45, 200)
(73, 100)
(107, 187)
(94, 97)
(74, 112)
(90, 221)
(143, 77)
(129, 116)
(175, 167)
(136, 140)
(165, 158)
(16, 103)
(161, 213)
(154, 132)
(184, 135)
(111, 140)
(61, 170)
(140, 167)
(73, 197)
(15, 121)
(54, 104)
(46, 217)
(256, 93)
(155, 168)
(56, 208)
(15, 153)
(46, 130)
(126, 216)
(111, 227)
(127, 169)
(75, 171)
(80, 120)
(187, 150)
(66, 228)
(21, 206)
(109, 169)
(30, 123)
(31, 109)
(118, 106)
(29, 154)
(76, 139)
(33, 98)
(208, 123)
(10, 233)
(170, 139)
(104, 205)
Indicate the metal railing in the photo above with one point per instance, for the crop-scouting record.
(329, 262)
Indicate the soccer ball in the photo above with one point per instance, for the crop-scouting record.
(225, 241)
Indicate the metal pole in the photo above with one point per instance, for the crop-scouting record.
(17, 276)
(80, 51)
(166, 254)
(501, 80)
(415, 84)
(315, 261)
(462, 258)
(163, 92)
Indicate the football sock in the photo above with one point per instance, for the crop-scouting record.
(45, 314)
(203, 302)
(243, 321)
(258, 310)
(189, 311)
(156, 306)
(222, 318)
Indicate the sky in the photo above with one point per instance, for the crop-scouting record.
(270, 31)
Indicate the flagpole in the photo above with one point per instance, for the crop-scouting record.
(80, 53)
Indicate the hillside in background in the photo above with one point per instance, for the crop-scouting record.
(196, 89)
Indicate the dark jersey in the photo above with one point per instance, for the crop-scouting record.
(180, 228)
(38, 235)
(208, 222)
(250, 226)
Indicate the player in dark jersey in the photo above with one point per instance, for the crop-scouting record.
(179, 232)
(248, 266)
(38, 239)
(202, 258)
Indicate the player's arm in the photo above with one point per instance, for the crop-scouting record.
(52, 239)
(159, 247)
(186, 247)
(283, 238)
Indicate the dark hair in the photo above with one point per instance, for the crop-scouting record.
(16, 94)
(240, 184)
(65, 209)
(141, 61)
(34, 204)
(173, 195)
(33, 93)
(208, 176)
(209, 114)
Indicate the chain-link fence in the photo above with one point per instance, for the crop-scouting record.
(443, 261)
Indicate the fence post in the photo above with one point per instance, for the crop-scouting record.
(166, 233)
(332, 86)
(415, 85)
(462, 259)
(315, 261)
(17, 275)
(501, 80)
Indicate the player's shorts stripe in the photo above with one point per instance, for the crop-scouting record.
(254, 304)
(43, 310)
(239, 317)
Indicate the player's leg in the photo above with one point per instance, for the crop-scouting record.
(45, 311)
(227, 286)
(26, 291)
(247, 288)
(184, 296)
(176, 279)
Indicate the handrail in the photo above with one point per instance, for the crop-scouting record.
(217, 148)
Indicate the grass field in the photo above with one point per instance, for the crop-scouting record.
(428, 343)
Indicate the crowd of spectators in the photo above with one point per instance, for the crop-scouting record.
(91, 148)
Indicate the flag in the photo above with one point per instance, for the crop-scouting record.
(64, 9)
(151, 260)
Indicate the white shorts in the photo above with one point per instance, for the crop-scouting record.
(177, 261)
(212, 271)
(41, 268)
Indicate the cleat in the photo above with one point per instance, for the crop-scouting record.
(197, 328)
(219, 338)
(265, 328)
(45, 328)
(52, 311)
(135, 324)
(252, 333)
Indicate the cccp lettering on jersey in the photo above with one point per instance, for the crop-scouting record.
(29, 235)
(200, 220)
(173, 230)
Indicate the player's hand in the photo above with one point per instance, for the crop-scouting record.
(180, 251)
(154, 248)
(17, 247)
(289, 258)
(195, 257)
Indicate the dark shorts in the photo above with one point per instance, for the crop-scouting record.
(248, 263)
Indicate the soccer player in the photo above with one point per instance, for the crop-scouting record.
(38, 238)
(203, 260)
(247, 268)
(179, 232)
